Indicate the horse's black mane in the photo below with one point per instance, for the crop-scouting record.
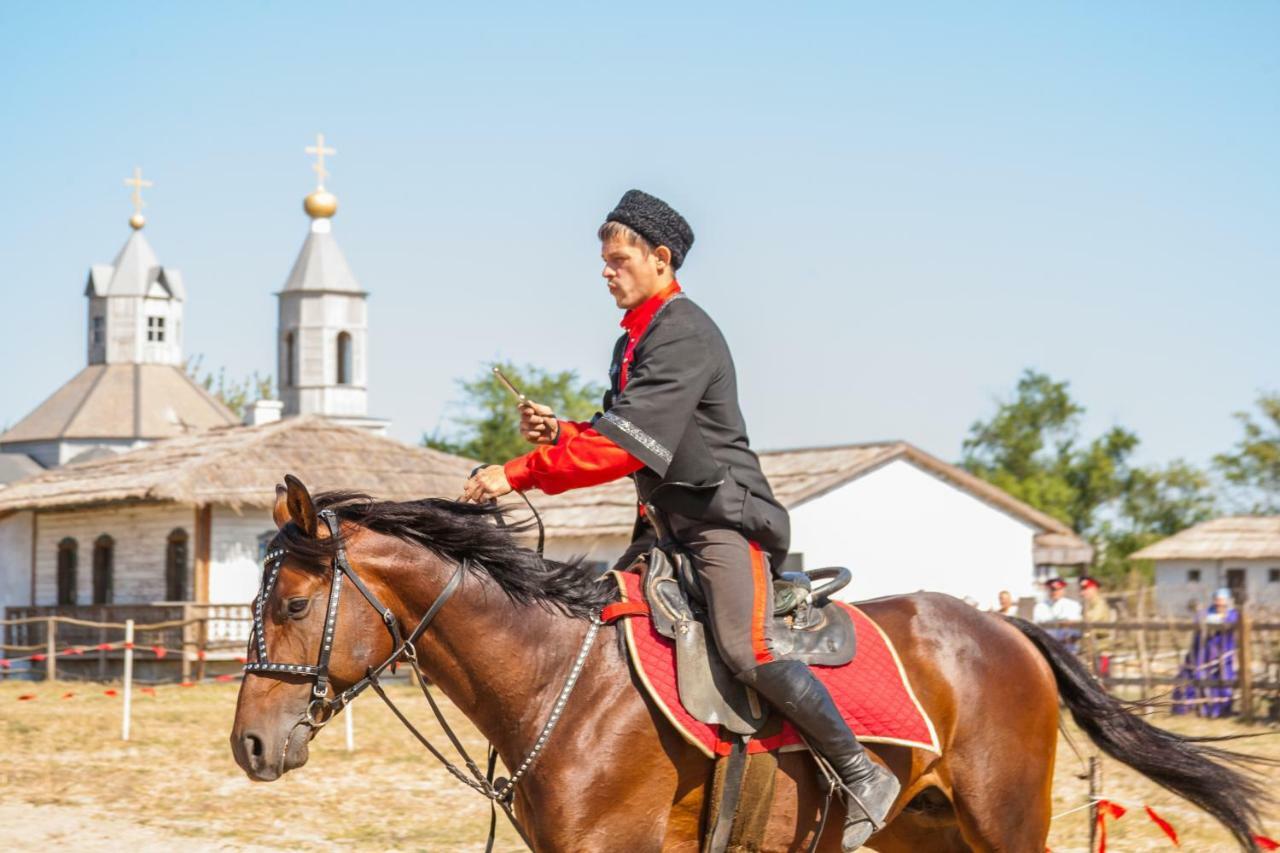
(463, 532)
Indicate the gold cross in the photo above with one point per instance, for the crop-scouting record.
(137, 183)
(320, 150)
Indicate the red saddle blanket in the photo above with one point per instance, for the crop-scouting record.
(872, 692)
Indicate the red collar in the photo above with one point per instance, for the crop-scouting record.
(637, 319)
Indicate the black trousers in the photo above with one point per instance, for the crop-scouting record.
(737, 582)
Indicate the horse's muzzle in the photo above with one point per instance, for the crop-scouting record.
(266, 757)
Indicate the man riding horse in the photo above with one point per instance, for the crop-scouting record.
(672, 422)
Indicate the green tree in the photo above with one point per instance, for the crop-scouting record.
(1253, 468)
(235, 394)
(1033, 448)
(488, 428)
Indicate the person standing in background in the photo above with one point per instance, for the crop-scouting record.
(1096, 612)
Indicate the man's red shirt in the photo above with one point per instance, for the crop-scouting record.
(581, 456)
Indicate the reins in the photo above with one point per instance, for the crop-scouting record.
(500, 792)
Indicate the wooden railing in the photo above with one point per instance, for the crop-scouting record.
(37, 637)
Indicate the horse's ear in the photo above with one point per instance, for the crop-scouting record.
(280, 510)
(301, 509)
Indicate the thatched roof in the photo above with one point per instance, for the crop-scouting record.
(800, 475)
(1232, 538)
(240, 466)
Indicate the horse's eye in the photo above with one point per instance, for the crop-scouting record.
(298, 606)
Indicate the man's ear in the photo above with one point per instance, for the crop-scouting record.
(664, 255)
(280, 511)
(301, 508)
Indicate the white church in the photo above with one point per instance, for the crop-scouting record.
(132, 488)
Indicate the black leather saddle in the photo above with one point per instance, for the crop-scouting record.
(806, 627)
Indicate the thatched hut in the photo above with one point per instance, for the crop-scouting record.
(1241, 553)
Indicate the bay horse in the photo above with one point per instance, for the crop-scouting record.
(615, 775)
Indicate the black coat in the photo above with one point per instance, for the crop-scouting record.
(679, 415)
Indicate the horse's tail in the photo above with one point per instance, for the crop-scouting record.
(1188, 767)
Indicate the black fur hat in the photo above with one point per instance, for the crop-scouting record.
(656, 221)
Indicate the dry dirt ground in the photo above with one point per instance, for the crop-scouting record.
(66, 779)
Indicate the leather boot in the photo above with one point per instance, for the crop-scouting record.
(799, 696)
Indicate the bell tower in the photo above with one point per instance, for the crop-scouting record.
(322, 332)
(135, 304)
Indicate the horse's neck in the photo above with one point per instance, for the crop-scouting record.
(499, 662)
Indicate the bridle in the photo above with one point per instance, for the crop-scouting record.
(500, 792)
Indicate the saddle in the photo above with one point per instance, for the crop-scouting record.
(806, 627)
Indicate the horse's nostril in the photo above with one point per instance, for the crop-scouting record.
(253, 745)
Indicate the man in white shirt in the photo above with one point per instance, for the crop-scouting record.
(1058, 608)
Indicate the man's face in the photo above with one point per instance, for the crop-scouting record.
(1056, 592)
(1006, 600)
(1088, 593)
(630, 272)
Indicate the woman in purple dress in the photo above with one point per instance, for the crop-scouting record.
(1211, 664)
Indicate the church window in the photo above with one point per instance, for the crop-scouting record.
(175, 566)
(344, 358)
(155, 329)
(67, 571)
(103, 569)
(97, 330)
(289, 360)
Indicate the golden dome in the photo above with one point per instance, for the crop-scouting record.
(321, 204)
(137, 221)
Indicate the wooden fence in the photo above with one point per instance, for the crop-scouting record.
(90, 641)
(1185, 662)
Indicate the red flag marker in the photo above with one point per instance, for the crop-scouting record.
(1266, 843)
(160, 652)
(150, 691)
(1164, 825)
(1106, 809)
(108, 693)
(67, 695)
(26, 697)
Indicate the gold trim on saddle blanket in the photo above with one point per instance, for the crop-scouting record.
(634, 655)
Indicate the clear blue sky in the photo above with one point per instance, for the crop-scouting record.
(898, 207)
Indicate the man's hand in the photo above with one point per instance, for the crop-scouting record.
(486, 484)
(538, 423)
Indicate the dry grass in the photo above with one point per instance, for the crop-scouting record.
(175, 783)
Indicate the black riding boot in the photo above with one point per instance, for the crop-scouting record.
(793, 689)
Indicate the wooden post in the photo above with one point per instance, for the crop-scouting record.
(201, 648)
(187, 634)
(350, 726)
(204, 533)
(1244, 661)
(51, 649)
(1144, 662)
(128, 678)
(1095, 790)
(102, 639)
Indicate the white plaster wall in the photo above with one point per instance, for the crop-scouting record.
(1176, 596)
(900, 529)
(234, 565)
(141, 534)
(605, 549)
(15, 561)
